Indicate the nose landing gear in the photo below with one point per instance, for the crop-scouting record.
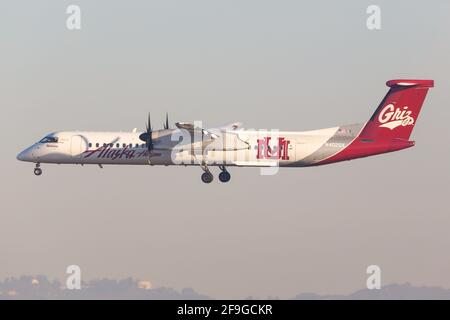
(37, 170)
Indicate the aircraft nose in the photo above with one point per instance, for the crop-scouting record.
(25, 155)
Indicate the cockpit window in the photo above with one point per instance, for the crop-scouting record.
(49, 140)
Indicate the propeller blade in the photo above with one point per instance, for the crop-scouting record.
(147, 136)
(149, 141)
(149, 124)
(166, 125)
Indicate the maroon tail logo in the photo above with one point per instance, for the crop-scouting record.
(266, 152)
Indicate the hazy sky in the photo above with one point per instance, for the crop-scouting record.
(270, 64)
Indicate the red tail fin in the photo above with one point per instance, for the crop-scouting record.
(397, 113)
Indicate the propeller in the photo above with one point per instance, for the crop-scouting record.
(147, 135)
(166, 124)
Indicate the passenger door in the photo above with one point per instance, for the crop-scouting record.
(78, 145)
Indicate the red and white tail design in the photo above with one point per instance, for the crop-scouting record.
(397, 113)
(390, 126)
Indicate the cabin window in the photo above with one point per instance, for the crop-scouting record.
(104, 144)
(111, 145)
(90, 145)
(124, 145)
(97, 145)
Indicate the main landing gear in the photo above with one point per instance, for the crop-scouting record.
(207, 176)
(224, 176)
(37, 170)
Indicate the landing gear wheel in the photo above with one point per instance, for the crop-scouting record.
(207, 177)
(37, 171)
(224, 176)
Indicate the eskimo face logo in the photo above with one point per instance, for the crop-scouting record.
(391, 117)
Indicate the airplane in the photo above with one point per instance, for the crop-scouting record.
(387, 130)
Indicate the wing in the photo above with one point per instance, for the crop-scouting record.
(196, 130)
(223, 138)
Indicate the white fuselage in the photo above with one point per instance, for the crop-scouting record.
(234, 148)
